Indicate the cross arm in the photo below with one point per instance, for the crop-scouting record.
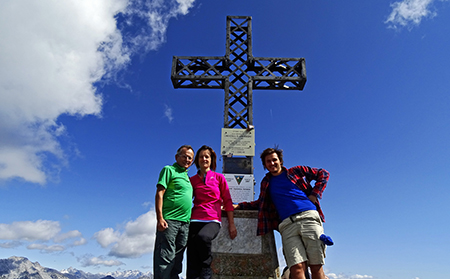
(277, 73)
(199, 72)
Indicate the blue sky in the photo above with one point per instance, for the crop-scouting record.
(88, 117)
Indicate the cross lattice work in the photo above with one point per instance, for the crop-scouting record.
(238, 73)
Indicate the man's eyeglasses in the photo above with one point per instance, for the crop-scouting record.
(184, 156)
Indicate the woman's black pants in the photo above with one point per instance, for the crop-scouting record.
(199, 255)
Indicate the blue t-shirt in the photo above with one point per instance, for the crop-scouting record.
(287, 197)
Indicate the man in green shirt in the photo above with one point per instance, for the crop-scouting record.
(173, 202)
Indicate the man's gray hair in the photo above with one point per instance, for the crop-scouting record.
(184, 146)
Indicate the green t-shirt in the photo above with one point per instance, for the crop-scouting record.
(177, 200)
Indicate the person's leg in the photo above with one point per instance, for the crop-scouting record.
(194, 266)
(293, 248)
(312, 229)
(203, 243)
(298, 271)
(164, 254)
(180, 247)
(158, 264)
(317, 271)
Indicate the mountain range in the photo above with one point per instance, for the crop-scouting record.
(22, 268)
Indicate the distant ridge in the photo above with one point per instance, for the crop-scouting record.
(20, 267)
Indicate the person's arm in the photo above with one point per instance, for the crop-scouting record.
(321, 177)
(227, 204)
(231, 227)
(313, 198)
(254, 204)
(161, 223)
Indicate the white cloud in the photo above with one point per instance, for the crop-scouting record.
(42, 230)
(49, 60)
(46, 248)
(97, 261)
(37, 234)
(106, 237)
(147, 204)
(67, 235)
(409, 12)
(168, 113)
(10, 244)
(281, 259)
(80, 240)
(51, 55)
(156, 15)
(342, 276)
(136, 240)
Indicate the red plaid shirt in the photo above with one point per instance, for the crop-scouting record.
(268, 218)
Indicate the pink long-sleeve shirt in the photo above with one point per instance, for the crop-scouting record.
(209, 195)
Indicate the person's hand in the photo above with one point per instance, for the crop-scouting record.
(232, 230)
(162, 225)
(313, 198)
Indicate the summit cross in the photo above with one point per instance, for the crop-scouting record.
(238, 73)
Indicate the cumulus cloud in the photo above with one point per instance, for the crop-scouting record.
(408, 13)
(52, 55)
(156, 15)
(75, 236)
(67, 235)
(43, 230)
(281, 258)
(49, 60)
(342, 276)
(79, 242)
(106, 237)
(147, 204)
(89, 260)
(46, 248)
(135, 240)
(37, 234)
(10, 244)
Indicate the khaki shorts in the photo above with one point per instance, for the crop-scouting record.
(300, 236)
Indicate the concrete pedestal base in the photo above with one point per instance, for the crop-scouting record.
(247, 256)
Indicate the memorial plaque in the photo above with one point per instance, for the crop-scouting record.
(242, 165)
(238, 142)
(241, 187)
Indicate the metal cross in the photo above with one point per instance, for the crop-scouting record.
(238, 73)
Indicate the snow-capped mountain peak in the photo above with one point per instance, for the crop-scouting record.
(20, 267)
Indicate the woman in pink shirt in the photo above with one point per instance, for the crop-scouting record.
(210, 193)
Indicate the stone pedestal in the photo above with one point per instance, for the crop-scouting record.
(247, 256)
